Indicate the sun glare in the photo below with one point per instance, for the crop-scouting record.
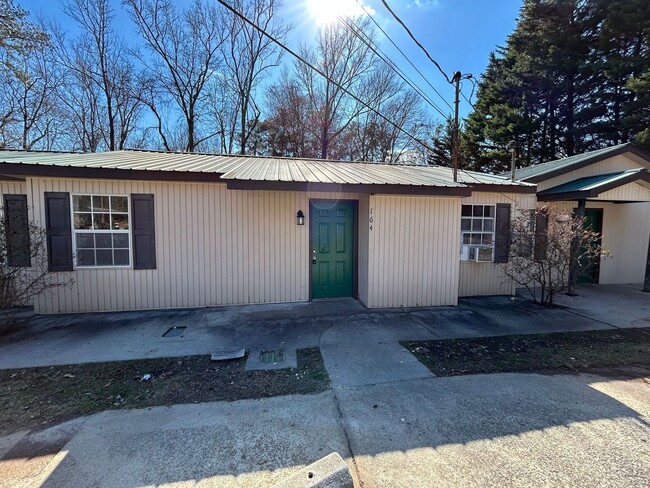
(325, 12)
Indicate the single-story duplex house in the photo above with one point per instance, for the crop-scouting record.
(145, 229)
(611, 188)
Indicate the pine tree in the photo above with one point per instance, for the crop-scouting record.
(561, 84)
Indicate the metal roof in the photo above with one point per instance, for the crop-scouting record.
(593, 186)
(539, 172)
(259, 169)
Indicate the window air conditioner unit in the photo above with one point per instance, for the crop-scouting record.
(479, 254)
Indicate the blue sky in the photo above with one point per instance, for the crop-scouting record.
(459, 34)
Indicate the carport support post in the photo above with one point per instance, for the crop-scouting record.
(646, 283)
(575, 252)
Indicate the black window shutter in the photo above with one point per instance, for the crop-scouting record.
(502, 233)
(142, 229)
(17, 230)
(59, 231)
(541, 235)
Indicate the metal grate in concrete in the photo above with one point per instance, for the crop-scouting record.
(271, 357)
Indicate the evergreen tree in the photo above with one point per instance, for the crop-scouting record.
(562, 85)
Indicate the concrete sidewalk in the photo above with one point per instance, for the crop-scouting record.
(619, 305)
(521, 430)
(394, 422)
(350, 336)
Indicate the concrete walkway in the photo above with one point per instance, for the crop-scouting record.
(520, 430)
(360, 346)
(394, 423)
(619, 305)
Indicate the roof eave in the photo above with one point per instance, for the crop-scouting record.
(388, 189)
(593, 192)
(497, 188)
(631, 148)
(25, 170)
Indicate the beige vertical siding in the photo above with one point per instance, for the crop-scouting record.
(627, 193)
(12, 188)
(488, 278)
(413, 251)
(364, 205)
(626, 229)
(214, 247)
(609, 165)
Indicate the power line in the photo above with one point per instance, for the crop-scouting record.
(381, 29)
(314, 68)
(482, 182)
(396, 17)
(381, 55)
(469, 100)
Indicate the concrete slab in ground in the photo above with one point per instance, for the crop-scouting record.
(500, 430)
(367, 351)
(247, 443)
(520, 430)
(80, 338)
(351, 336)
(619, 305)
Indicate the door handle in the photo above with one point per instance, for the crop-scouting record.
(313, 257)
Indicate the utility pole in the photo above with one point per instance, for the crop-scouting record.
(513, 148)
(456, 81)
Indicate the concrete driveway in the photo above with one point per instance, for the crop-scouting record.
(386, 414)
(492, 430)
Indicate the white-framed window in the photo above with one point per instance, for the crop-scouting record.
(100, 226)
(477, 226)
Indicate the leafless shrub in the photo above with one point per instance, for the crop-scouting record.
(547, 245)
(19, 285)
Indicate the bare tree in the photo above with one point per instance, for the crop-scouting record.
(79, 95)
(248, 55)
(290, 131)
(223, 107)
(543, 250)
(377, 139)
(30, 96)
(108, 67)
(346, 60)
(18, 35)
(185, 46)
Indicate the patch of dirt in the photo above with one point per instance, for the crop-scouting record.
(35, 398)
(624, 352)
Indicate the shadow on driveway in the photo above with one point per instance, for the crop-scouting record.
(395, 423)
(496, 430)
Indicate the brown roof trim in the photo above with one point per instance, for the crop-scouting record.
(637, 151)
(457, 191)
(496, 188)
(50, 170)
(579, 195)
(11, 178)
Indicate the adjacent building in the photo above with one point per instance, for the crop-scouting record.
(145, 230)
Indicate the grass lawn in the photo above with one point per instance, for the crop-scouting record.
(593, 351)
(37, 397)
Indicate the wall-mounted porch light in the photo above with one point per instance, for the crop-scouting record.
(300, 218)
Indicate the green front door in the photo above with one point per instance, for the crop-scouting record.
(332, 256)
(589, 271)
